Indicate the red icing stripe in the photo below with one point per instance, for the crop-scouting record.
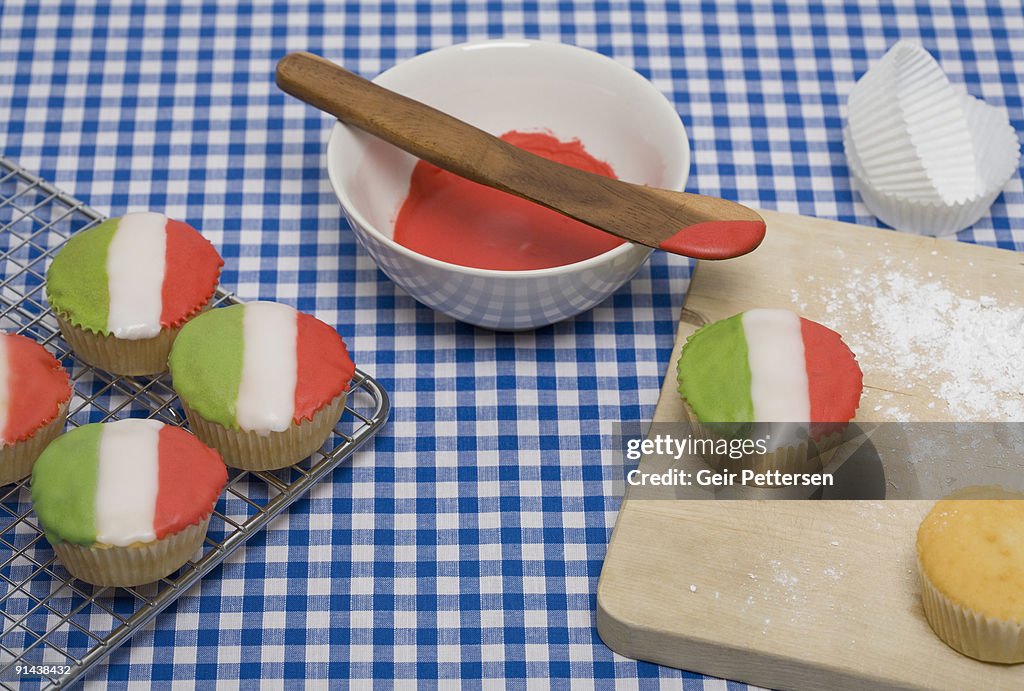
(716, 239)
(37, 386)
(193, 267)
(324, 367)
(834, 379)
(191, 477)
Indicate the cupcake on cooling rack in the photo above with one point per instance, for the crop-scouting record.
(128, 502)
(772, 375)
(122, 290)
(260, 382)
(970, 556)
(34, 396)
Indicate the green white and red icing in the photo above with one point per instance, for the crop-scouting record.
(769, 365)
(259, 367)
(125, 482)
(132, 276)
(33, 387)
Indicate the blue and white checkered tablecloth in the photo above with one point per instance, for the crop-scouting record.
(466, 544)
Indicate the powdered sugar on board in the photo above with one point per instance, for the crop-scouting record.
(963, 351)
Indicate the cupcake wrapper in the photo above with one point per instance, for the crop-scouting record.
(123, 356)
(254, 451)
(998, 152)
(107, 565)
(798, 458)
(16, 460)
(996, 146)
(908, 124)
(969, 632)
(922, 218)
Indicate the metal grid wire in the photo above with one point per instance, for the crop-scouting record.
(49, 618)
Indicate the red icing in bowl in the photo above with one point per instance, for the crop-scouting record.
(461, 222)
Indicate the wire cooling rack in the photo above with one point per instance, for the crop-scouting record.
(55, 627)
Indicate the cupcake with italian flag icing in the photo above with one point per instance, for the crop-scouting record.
(261, 382)
(34, 396)
(123, 289)
(127, 502)
(770, 374)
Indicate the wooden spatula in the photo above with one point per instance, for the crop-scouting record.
(688, 224)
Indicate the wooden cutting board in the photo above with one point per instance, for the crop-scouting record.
(797, 594)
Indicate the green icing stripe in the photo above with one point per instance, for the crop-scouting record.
(714, 373)
(206, 364)
(64, 486)
(77, 281)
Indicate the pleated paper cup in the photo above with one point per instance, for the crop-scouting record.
(799, 456)
(996, 146)
(136, 564)
(254, 451)
(910, 131)
(16, 460)
(124, 356)
(997, 153)
(970, 632)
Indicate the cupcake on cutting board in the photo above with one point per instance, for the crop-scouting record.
(970, 555)
(127, 502)
(122, 290)
(260, 382)
(771, 372)
(34, 396)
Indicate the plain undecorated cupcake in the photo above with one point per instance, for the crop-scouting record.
(770, 374)
(971, 563)
(34, 395)
(261, 382)
(127, 502)
(122, 290)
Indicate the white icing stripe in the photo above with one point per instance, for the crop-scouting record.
(127, 482)
(266, 394)
(778, 374)
(5, 392)
(135, 275)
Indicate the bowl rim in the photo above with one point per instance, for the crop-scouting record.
(663, 104)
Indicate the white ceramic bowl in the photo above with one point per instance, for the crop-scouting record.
(498, 86)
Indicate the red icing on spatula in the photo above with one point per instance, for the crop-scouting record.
(716, 239)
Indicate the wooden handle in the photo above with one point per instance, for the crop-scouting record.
(657, 218)
(412, 126)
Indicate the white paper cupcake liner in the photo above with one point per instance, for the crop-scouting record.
(996, 146)
(969, 632)
(802, 457)
(998, 154)
(16, 460)
(254, 451)
(109, 565)
(129, 357)
(908, 125)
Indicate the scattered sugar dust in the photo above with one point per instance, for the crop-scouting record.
(967, 352)
(834, 573)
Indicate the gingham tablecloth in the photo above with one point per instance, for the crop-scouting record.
(466, 544)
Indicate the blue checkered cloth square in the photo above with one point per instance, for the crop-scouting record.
(466, 544)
